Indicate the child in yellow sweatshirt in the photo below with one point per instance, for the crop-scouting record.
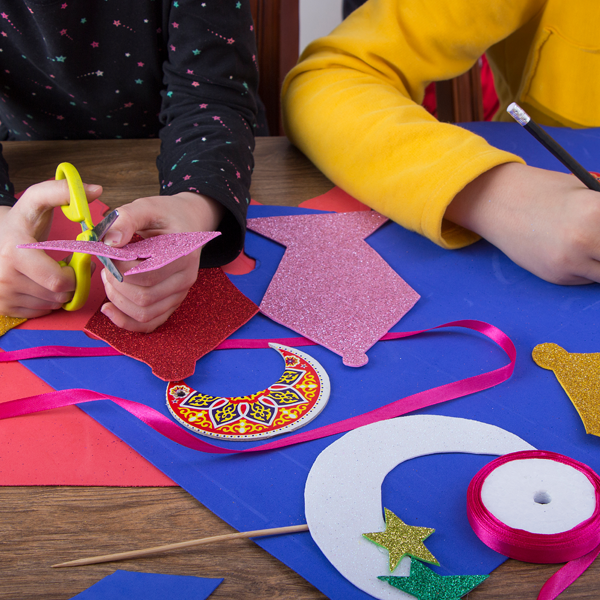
(352, 105)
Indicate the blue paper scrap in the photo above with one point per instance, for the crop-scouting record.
(128, 585)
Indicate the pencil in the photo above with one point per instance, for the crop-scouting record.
(523, 119)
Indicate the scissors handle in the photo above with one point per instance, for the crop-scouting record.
(80, 263)
(78, 209)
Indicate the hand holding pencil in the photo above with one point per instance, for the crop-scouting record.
(545, 221)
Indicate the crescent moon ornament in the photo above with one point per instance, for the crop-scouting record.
(295, 399)
(343, 490)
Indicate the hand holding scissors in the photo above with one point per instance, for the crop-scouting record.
(34, 284)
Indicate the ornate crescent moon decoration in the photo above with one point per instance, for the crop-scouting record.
(296, 398)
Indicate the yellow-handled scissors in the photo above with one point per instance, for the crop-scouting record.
(78, 211)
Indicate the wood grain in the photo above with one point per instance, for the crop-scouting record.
(40, 526)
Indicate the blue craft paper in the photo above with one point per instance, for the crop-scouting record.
(128, 585)
(478, 282)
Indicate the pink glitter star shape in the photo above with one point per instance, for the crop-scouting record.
(195, 84)
(230, 41)
(117, 23)
(176, 25)
(186, 177)
(63, 32)
(64, 5)
(331, 286)
(140, 64)
(94, 44)
(203, 105)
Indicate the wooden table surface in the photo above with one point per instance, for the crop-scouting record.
(40, 526)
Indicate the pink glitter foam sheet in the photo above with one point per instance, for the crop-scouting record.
(331, 286)
(158, 251)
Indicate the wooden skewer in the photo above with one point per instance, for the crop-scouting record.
(157, 549)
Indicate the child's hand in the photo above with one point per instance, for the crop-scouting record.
(547, 222)
(31, 283)
(145, 301)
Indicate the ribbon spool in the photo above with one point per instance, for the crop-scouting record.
(578, 504)
(538, 507)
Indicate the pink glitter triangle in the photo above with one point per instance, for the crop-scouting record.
(158, 251)
(331, 286)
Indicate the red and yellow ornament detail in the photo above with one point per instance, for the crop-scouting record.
(297, 397)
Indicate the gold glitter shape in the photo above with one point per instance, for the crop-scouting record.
(7, 323)
(579, 375)
(400, 539)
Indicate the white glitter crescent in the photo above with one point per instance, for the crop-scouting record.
(343, 491)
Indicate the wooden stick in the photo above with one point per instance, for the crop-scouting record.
(157, 549)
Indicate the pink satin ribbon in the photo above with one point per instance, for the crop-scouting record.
(169, 429)
(578, 547)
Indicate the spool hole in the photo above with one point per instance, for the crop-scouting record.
(542, 498)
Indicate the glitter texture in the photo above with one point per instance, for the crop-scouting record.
(331, 286)
(158, 251)
(7, 323)
(579, 375)
(400, 539)
(213, 309)
(424, 584)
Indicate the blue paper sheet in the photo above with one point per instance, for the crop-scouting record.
(128, 585)
(478, 282)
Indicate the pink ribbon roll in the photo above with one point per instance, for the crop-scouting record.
(577, 546)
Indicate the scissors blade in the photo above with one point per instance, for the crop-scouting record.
(98, 232)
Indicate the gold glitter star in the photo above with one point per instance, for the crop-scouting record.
(400, 539)
(579, 375)
(7, 323)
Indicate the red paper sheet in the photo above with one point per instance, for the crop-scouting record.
(65, 446)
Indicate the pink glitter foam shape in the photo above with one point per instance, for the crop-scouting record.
(331, 286)
(158, 251)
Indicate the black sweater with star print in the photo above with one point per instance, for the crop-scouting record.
(184, 70)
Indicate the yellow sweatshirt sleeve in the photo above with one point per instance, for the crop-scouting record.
(352, 105)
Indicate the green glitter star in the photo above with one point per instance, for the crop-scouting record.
(400, 539)
(196, 52)
(424, 584)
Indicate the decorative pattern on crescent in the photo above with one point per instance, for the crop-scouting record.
(296, 398)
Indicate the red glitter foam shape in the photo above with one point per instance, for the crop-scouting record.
(331, 286)
(213, 309)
